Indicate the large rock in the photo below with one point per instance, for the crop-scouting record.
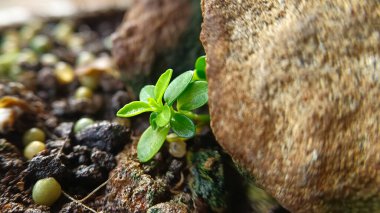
(294, 96)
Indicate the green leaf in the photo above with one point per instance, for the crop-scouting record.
(199, 75)
(177, 86)
(150, 143)
(146, 92)
(194, 96)
(164, 116)
(200, 67)
(200, 63)
(182, 126)
(162, 84)
(153, 104)
(134, 108)
(152, 120)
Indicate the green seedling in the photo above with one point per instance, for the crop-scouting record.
(171, 105)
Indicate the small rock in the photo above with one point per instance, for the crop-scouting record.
(45, 166)
(44, 209)
(64, 129)
(168, 207)
(56, 145)
(85, 106)
(89, 174)
(46, 80)
(118, 100)
(103, 159)
(105, 136)
(79, 155)
(13, 207)
(72, 207)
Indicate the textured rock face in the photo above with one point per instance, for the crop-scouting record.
(150, 27)
(130, 189)
(294, 97)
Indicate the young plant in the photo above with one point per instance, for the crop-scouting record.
(171, 105)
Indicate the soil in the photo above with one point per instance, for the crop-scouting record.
(102, 155)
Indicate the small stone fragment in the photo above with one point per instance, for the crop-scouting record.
(88, 174)
(72, 207)
(106, 136)
(103, 159)
(45, 166)
(168, 207)
(64, 129)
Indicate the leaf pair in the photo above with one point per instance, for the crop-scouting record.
(156, 92)
(153, 138)
(160, 119)
(150, 98)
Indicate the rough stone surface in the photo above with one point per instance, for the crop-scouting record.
(168, 207)
(105, 136)
(130, 189)
(42, 166)
(300, 107)
(150, 27)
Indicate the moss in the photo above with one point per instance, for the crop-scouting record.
(208, 178)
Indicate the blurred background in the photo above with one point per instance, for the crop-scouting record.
(19, 11)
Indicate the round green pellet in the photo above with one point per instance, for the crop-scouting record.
(85, 58)
(40, 43)
(82, 124)
(83, 93)
(49, 59)
(27, 56)
(46, 191)
(33, 148)
(63, 31)
(75, 43)
(90, 82)
(64, 73)
(33, 134)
